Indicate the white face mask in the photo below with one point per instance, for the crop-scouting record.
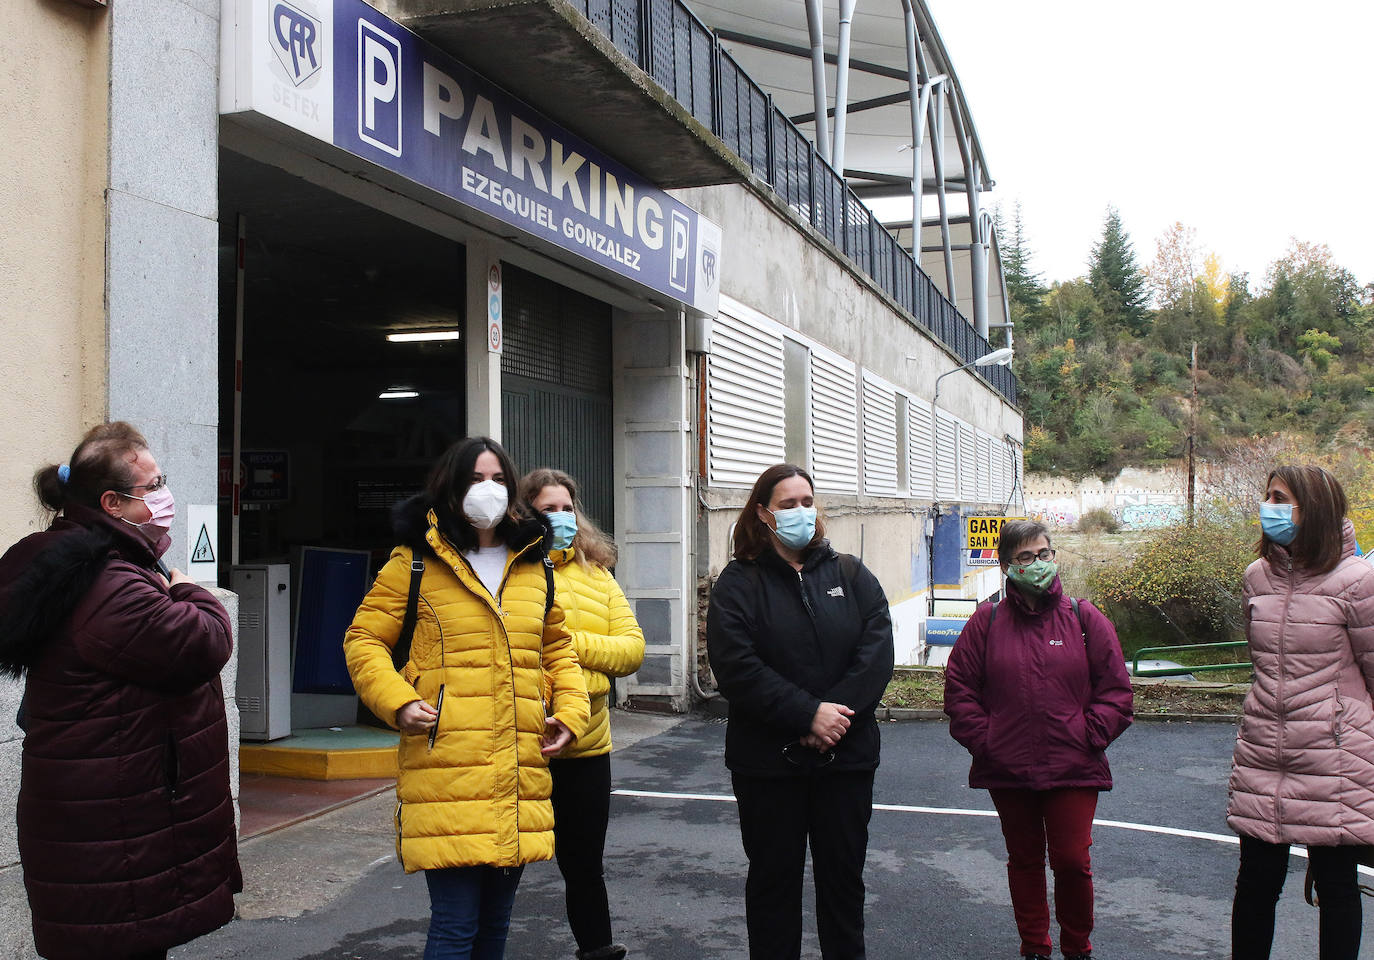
(485, 504)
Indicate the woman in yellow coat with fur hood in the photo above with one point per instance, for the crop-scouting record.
(477, 724)
(609, 644)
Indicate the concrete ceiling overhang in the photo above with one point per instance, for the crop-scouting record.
(547, 54)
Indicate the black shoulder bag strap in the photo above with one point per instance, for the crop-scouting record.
(849, 568)
(548, 585)
(401, 652)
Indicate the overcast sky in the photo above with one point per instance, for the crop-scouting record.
(1246, 119)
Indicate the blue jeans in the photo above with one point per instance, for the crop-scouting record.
(469, 912)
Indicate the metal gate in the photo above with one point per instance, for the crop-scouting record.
(556, 385)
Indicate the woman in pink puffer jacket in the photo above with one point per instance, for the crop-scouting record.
(1304, 762)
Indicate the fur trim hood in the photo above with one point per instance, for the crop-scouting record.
(410, 522)
(44, 576)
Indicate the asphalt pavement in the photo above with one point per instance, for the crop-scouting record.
(1163, 859)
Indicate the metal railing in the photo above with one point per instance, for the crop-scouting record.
(685, 57)
(1180, 671)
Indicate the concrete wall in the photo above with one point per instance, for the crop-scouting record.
(163, 238)
(52, 270)
(781, 270)
(1137, 498)
(54, 61)
(108, 299)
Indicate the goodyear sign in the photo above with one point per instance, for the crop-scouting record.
(982, 536)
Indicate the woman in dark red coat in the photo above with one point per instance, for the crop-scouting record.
(126, 827)
(1036, 690)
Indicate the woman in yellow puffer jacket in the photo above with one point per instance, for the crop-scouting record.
(609, 644)
(488, 648)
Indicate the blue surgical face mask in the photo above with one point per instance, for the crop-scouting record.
(564, 523)
(1276, 520)
(796, 526)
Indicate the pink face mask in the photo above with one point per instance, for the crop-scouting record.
(163, 507)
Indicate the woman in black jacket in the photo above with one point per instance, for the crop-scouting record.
(800, 641)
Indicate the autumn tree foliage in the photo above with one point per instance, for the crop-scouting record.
(1103, 359)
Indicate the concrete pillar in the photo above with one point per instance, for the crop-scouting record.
(163, 237)
(654, 502)
(483, 366)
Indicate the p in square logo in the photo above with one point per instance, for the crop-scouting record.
(295, 37)
(680, 260)
(379, 88)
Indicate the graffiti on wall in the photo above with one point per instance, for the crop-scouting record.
(1052, 517)
(1134, 509)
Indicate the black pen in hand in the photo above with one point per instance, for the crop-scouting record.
(438, 710)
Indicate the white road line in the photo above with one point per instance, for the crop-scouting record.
(654, 795)
(1296, 850)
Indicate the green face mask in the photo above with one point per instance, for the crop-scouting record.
(1036, 575)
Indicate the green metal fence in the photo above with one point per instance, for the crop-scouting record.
(1143, 654)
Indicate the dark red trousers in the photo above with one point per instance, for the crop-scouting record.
(1060, 821)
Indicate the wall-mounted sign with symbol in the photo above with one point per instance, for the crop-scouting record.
(202, 543)
(494, 306)
(983, 534)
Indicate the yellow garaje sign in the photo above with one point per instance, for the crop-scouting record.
(983, 532)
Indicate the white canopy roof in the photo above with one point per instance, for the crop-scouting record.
(878, 138)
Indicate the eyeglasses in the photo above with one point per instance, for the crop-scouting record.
(1029, 557)
(152, 486)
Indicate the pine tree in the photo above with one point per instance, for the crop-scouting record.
(1024, 287)
(1117, 279)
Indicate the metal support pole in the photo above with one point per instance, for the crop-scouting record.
(978, 260)
(842, 83)
(920, 97)
(937, 150)
(1006, 323)
(236, 452)
(815, 25)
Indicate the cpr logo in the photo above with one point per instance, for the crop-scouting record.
(295, 37)
(379, 88)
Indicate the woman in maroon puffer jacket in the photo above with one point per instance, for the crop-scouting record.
(126, 827)
(1036, 691)
(1304, 761)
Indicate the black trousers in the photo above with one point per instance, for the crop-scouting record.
(777, 817)
(1263, 868)
(581, 810)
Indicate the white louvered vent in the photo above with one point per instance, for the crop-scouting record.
(984, 467)
(968, 464)
(834, 440)
(744, 398)
(880, 438)
(998, 471)
(947, 456)
(920, 453)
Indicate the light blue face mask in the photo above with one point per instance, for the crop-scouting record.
(1276, 520)
(796, 526)
(564, 523)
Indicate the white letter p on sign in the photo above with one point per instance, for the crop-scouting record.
(379, 89)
